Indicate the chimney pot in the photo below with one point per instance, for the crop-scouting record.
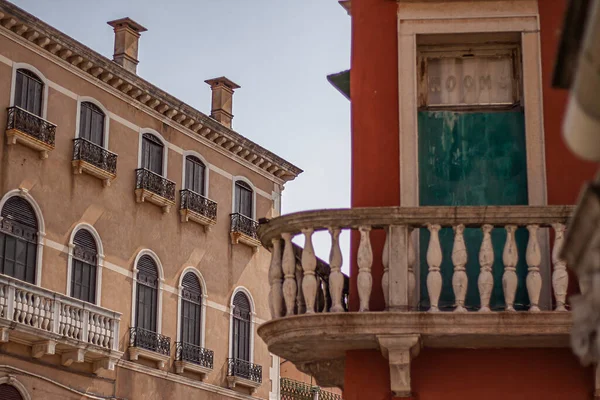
(127, 35)
(222, 99)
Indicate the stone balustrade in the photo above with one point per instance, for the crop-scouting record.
(289, 283)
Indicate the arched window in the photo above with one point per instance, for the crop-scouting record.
(84, 271)
(18, 239)
(241, 335)
(152, 153)
(191, 310)
(195, 172)
(91, 123)
(9, 392)
(29, 92)
(243, 199)
(147, 294)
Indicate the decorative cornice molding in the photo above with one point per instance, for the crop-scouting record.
(136, 89)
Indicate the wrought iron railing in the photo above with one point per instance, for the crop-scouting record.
(148, 180)
(295, 390)
(197, 203)
(326, 395)
(194, 354)
(244, 369)
(146, 339)
(98, 156)
(31, 124)
(241, 223)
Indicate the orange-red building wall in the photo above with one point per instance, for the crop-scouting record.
(447, 374)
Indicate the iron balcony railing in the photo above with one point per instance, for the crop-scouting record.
(197, 203)
(31, 124)
(194, 354)
(295, 390)
(244, 369)
(146, 339)
(247, 226)
(98, 156)
(148, 180)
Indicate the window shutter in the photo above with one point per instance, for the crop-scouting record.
(85, 239)
(91, 123)
(241, 306)
(9, 392)
(152, 153)
(148, 271)
(19, 210)
(29, 91)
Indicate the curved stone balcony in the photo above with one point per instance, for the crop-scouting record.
(511, 241)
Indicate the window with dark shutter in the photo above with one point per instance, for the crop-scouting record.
(29, 91)
(91, 123)
(147, 291)
(191, 309)
(152, 153)
(243, 199)
(9, 392)
(241, 327)
(18, 239)
(194, 175)
(84, 267)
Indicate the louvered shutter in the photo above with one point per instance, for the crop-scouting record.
(152, 153)
(29, 92)
(91, 123)
(147, 284)
(9, 392)
(241, 327)
(84, 266)
(18, 239)
(191, 310)
(19, 210)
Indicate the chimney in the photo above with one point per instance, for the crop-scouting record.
(222, 99)
(127, 34)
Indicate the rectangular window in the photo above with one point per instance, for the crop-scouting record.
(28, 92)
(243, 200)
(152, 156)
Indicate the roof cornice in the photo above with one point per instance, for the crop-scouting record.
(138, 90)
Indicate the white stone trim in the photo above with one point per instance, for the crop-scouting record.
(438, 21)
(22, 192)
(12, 381)
(207, 166)
(252, 320)
(124, 122)
(20, 65)
(274, 376)
(87, 99)
(99, 260)
(194, 271)
(246, 180)
(62, 90)
(6, 60)
(161, 280)
(165, 148)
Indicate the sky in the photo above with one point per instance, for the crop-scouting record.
(278, 51)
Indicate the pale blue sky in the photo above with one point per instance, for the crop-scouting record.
(278, 51)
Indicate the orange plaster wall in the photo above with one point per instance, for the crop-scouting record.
(375, 139)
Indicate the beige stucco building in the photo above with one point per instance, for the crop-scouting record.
(129, 263)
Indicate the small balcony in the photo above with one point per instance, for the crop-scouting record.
(52, 323)
(452, 277)
(95, 160)
(197, 208)
(193, 358)
(243, 373)
(149, 345)
(30, 130)
(294, 390)
(244, 230)
(155, 189)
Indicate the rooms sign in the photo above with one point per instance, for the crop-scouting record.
(465, 81)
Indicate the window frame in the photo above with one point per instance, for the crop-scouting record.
(34, 70)
(41, 227)
(165, 144)
(252, 321)
(236, 179)
(86, 99)
(99, 259)
(194, 271)
(161, 279)
(12, 381)
(192, 153)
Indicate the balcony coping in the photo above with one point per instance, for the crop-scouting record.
(161, 359)
(190, 215)
(233, 380)
(15, 136)
(240, 237)
(144, 194)
(317, 343)
(80, 166)
(181, 366)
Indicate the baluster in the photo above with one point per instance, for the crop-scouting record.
(385, 278)
(47, 315)
(78, 320)
(276, 281)
(364, 261)
(91, 328)
(412, 258)
(62, 319)
(106, 332)
(534, 259)
(300, 305)
(29, 308)
(289, 269)
(309, 263)
(336, 278)
(36, 311)
(97, 333)
(434, 261)
(485, 282)
(2, 300)
(18, 305)
(510, 258)
(459, 259)
(560, 277)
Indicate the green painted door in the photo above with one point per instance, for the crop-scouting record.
(474, 159)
